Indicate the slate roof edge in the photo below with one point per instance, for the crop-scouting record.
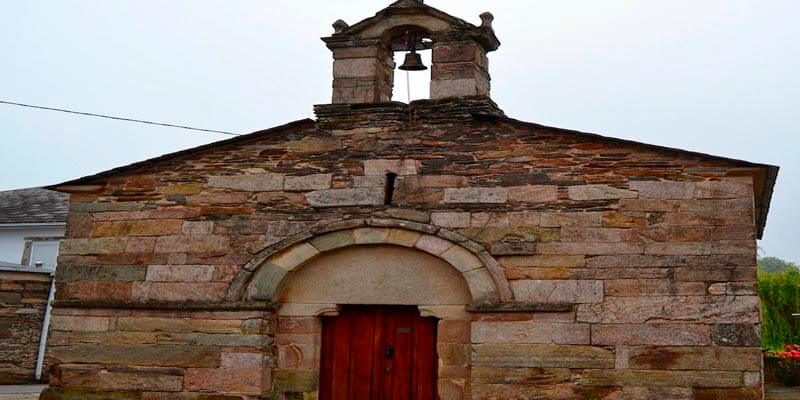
(181, 153)
(762, 208)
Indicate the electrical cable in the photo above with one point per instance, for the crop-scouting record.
(140, 121)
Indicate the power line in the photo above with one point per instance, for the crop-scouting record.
(117, 118)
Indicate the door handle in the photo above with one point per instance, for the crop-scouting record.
(389, 351)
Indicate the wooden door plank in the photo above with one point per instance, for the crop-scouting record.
(341, 359)
(326, 359)
(404, 351)
(425, 377)
(361, 353)
(378, 349)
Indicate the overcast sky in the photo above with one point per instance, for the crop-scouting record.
(715, 76)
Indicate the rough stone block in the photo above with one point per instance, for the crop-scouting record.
(180, 273)
(462, 259)
(197, 228)
(433, 244)
(138, 355)
(382, 167)
(541, 355)
(558, 291)
(307, 182)
(355, 67)
(556, 220)
(93, 290)
(80, 323)
(696, 358)
(119, 378)
(158, 227)
(374, 181)
(333, 240)
(483, 376)
(248, 183)
(371, 235)
(245, 381)
(533, 194)
(453, 331)
(482, 286)
(593, 235)
(729, 188)
(736, 335)
(169, 291)
(440, 89)
(663, 189)
(402, 237)
(736, 393)
(441, 181)
(652, 393)
(548, 261)
(346, 197)
(589, 248)
(180, 325)
(701, 248)
(529, 332)
(110, 245)
(295, 380)
(192, 244)
(294, 256)
(753, 379)
(659, 378)
(70, 273)
(314, 144)
(476, 195)
(624, 220)
(599, 192)
(183, 188)
(266, 282)
(651, 334)
(652, 287)
(668, 309)
(451, 219)
(717, 289)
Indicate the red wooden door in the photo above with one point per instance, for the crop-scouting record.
(378, 353)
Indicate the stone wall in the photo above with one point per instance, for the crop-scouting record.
(23, 299)
(157, 352)
(631, 268)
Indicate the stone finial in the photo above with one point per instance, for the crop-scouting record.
(339, 26)
(486, 20)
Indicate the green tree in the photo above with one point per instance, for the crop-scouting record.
(780, 298)
(775, 264)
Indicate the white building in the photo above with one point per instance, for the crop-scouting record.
(32, 222)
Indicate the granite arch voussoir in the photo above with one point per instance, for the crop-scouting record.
(263, 276)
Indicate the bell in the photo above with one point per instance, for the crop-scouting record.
(413, 62)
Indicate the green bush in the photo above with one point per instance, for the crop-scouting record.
(780, 298)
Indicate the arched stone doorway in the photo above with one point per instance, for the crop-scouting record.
(396, 264)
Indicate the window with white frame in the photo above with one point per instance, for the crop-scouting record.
(44, 250)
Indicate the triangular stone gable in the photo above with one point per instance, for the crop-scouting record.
(407, 3)
(405, 7)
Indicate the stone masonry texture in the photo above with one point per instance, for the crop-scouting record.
(646, 256)
(23, 298)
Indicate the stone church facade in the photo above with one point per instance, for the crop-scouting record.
(553, 264)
